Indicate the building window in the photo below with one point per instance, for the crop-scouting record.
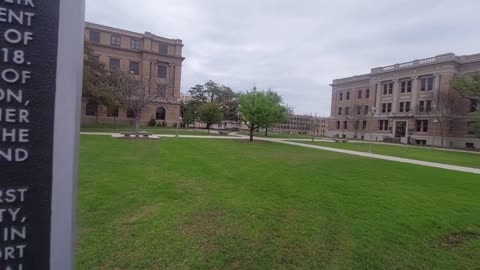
(406, 87)
(364, 125)
(426, 84)
(425, 106)
(359, 110)
(367, 93)
(470, 127)
(94, 37)
(405, 106)
(91, 108)
(162, 90)
(348, 95)
(338, 124)
(112, 112)
(359, 94)
(386, 107)
(383, 125)
(365, 110)
(473, 105)
(115, 41)
(162, 72)
(422, 125)
(134, 44)
(388, 88)
(339, 110)
(347, 110)
(160, 113)
(341, 96)
(114, 64)
(163, 49)
(134, 68)
(345, 125)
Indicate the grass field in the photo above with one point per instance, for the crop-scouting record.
(277, 135)
(155, 130)
(224, 204)
(419, 153)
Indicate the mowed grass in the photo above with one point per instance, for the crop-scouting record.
(225, 204)
(155, 130)
(278, 135)
(418, 153)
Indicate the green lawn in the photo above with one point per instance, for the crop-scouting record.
(155, 130)
(278, 135)
(225, 204)
(419, 153)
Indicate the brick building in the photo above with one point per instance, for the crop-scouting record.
(153, 59)
(303, 124)
(404, 99)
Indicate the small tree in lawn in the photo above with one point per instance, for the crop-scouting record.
(354, 117)
(131, 94)
(210, 113)
(261, 108)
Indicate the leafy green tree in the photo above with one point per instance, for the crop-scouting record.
(260, 108)
(210, 113)
(223, 95)
(469, 87)
(189, 112)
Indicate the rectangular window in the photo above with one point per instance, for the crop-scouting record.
(427, 84)
(386, 107)
(134, 68)
(473, 105)
(163, 49)
(115, 41)
(405, 106)
(359, 94)
(359, 110)
(406, 87)
(162, 90)
(388, 89)
(348, 95)
(338, 124)
(162, 72)
(345, 125)
(425, 106)
(114, 64)
(94, 37)
(347, 110)
(364, 125)
(383, 125)
(341, 96)
(134, 44)
(339, 110)
(422, 125)
(367, 93)
(365, 110)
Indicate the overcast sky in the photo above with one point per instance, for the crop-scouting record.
(296, 47)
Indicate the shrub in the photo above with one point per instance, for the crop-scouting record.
(152, 122)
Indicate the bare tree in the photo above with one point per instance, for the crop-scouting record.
(354, 117)
(446, 107)
(131, 94)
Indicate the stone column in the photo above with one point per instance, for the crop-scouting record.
(414, 104)
(379, 98)
(436, 84)
(395, 96)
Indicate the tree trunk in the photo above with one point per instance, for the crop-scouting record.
(208, 131)
(266, 132)
(251, 133)
(208, 127)
(137, 127)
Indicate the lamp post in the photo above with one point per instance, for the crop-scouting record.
(178, 124)
(373, 110)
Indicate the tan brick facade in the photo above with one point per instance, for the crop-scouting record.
(403, 97)
(303, 124)
(159, 63)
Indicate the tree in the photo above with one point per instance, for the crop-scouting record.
(469, 87)
(130, 94)
(189, 112)
(276, 112)
(354, 117)
(210, 113)
(259, 108)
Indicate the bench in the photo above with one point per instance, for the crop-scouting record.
(341, 140)
(133, 133)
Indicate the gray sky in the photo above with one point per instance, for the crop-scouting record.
(296, 47)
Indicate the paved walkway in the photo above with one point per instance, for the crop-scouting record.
(336, 150)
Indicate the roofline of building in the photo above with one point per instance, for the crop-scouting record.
(170, 41)
(441, 58)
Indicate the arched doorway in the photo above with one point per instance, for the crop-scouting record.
(160, 114)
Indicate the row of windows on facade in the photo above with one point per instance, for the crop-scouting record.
(116, 41)
(424, 106)
(405, 87)
(134, 68)
(91, 109)
(384, 125)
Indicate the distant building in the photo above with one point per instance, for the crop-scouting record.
(147, 57)
(403, 96)
(185, 98)
(303, 124)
